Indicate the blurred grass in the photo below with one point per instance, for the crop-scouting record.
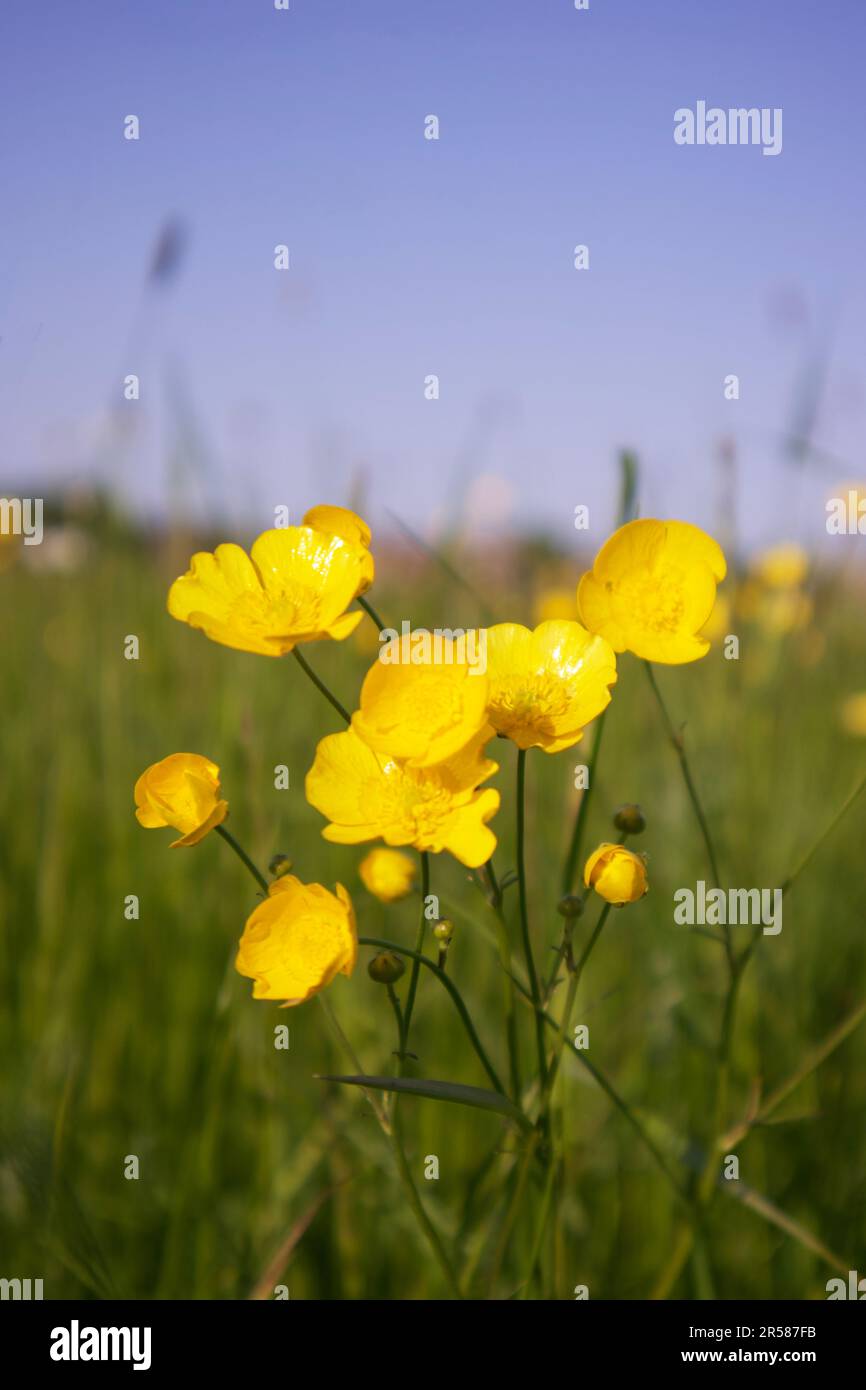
(126, 1037)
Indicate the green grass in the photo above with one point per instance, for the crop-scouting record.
(123, 1037)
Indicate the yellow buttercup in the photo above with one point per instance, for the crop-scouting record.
(421, 713)
(547, 685)
(294, 586)
(388, 874)
(369, 796)
(617, 874)
(652, 588)
(297, 940)
(181, 791)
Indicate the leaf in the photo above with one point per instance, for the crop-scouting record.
(438, 1090)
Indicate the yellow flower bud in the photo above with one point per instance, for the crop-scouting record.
(388, 874)
(181, 791)
(617, 874)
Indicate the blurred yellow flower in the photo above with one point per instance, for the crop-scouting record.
(388, 874)
(293, 587)
(547, 685)
(782, 567)
(554, 603)
(853, 714)
(351, 528)
(652, 589)
(420, 713)
(617, 874)
(297, 940)
(367, 796)
(784, 610)
(181, 791)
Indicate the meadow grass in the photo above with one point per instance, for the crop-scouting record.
(123, 1037)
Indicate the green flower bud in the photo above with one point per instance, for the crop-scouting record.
(570, 906)
(630, 819)
(386, 968)
(443, 931)
(280, 865)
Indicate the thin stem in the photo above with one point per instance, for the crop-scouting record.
(677, 741)
(417, 957)
(574, 982)
(573, 856)
(337, 1029)
(825, 835)
(320, 685)
(524, 914)
(456, 997)
(370, 611)
(433, 1237)
(509, 999)
(242, 855)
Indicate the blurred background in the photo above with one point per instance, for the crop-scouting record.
(260, 388)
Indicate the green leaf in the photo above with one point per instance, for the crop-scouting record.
(438, 1090)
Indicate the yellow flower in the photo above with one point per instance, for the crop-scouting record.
(367, 796)
(421, 713)
(652, 589)
(294, 586)
(553, 603)
(351, 528)
(853, 715)
(388, 874)
(547, 685)
(782, 567)
(297, 940)
(181, 791)
(617, 874)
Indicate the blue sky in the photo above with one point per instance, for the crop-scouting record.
(411, 257)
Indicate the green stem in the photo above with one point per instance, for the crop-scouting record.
(573, 856)
(370, 611)
(570, 998)
(524, 915)
(417, 957)
(456, 997)
(242, 855)
(320, 685)
(677, 741)
(433, 1238)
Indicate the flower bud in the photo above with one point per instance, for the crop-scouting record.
(386, 968)
(630, 819)
(443, 931)
(570, 906)
(280, 865)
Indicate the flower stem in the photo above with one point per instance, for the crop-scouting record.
(524, 916)
(676, 739)
(242, 855)
(371, 612)
(320, 685)
(417, 956)
(573, 856)
(455, 995)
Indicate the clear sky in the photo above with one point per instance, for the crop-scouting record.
(411, 257)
